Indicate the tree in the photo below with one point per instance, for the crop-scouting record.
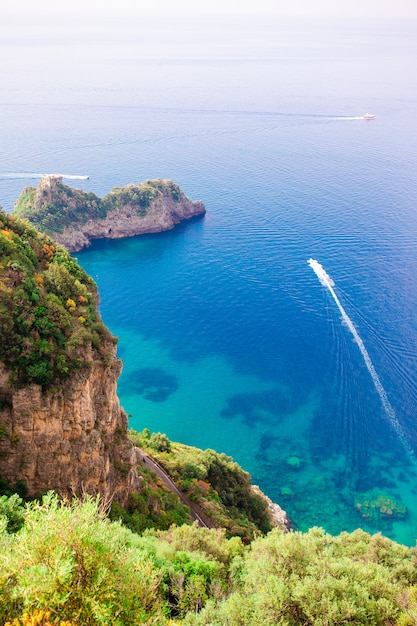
(160, 442)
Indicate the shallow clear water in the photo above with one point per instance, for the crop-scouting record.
(228, 338)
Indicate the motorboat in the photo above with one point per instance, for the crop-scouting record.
(368, 116)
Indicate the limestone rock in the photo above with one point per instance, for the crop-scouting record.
(72, 438)
(278, 517)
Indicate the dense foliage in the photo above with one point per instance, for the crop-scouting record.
(316, 579)
(220, 487)
(47, 307)
(52, 208)
(68, 564)
(140, 196)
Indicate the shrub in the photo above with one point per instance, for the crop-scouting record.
(37, 618)
(70, 560)
(314, 579)
(47, 308)
(159, 442)
(12, 511)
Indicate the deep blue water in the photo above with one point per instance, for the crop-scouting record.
(228, 338)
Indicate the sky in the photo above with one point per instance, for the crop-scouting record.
(348, 8)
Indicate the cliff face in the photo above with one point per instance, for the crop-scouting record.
(61, 426)
(125, 221)
(71, 439)
(73, 217)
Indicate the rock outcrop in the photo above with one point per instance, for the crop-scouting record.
(72, 438)
(278, 517)
(74, 218)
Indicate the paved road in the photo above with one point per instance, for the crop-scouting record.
(147, 461)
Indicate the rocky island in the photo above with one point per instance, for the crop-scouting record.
(74, 218)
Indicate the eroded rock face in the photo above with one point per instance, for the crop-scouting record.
(72, 438)
(163, 215)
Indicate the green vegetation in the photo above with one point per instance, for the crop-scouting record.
(48, 310)
(154, 507)
(316, 579)
(218, 485)
(68, 564)
(12, 512)
(19, 488)
(51, 208)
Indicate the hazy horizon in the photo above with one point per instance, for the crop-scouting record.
(296, 8)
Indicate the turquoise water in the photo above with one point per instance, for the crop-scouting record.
(228, 338)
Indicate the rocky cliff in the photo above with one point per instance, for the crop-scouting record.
(72, 440)
(61, 426)
(73, 217)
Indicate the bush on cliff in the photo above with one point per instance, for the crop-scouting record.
(71, 560)
(47, 307)
(154, 507)
(314, 579)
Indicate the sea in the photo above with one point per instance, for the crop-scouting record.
(281, 327)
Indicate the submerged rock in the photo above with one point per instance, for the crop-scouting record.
(287, 493)
(294, 461)
(376, 504)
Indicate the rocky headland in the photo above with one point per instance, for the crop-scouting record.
(74, 218)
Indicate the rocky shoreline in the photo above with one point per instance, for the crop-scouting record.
(278, 516)
(163, 215)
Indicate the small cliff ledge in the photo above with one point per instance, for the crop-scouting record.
(73, 217)
(278, 517)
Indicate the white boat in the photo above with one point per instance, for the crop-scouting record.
(368, 116)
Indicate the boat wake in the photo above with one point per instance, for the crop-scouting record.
(326, 281)
(349, 117)
(366, 116)
(31, 175)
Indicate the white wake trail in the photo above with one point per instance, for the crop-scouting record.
(32, 175)
(326, 281)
